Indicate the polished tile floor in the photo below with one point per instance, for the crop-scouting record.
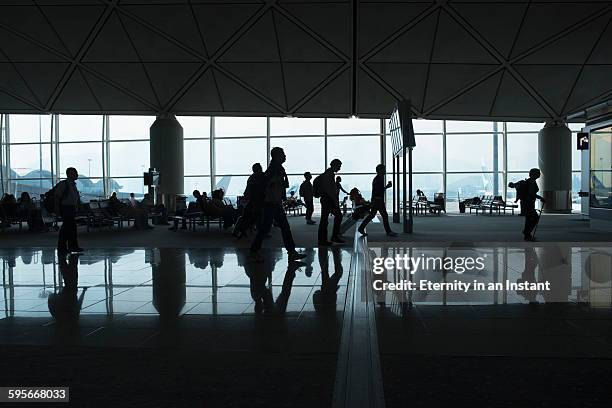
(131, 296)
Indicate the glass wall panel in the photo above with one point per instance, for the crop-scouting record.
(237, 156)
(469, 152)
(126, 185)
(77, 128)
(30, 128)
(129, 158)
(130, 127)
(195, 127)
(470, 126)
(426, 126)
(197, 157)
(601, 169)
(90, 189)
(240, 126)
(522, 151)
(31, 160)
(358, 154)
(34, 187)
(85, 157)
(303, 153)
(297, 126)
(353, 126)
(524, 126)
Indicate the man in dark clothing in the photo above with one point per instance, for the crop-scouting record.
(528, 204)
(254, 194)
(276, 182)
(330, 205)
(307, 195)
(66, 203)
(378, 202)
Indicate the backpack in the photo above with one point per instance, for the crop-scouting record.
(48, 199)
(316, 187)
(522, 188)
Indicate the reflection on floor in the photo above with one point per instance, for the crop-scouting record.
(505, 347)
(144, 290)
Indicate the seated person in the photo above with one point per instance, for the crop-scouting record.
(9, 208)
(292, 201)
(159, 208)
(27, 211)
(196, 206)
(216, 207)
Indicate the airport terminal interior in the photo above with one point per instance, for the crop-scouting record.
(163, 107)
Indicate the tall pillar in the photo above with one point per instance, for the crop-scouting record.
(166, 147)
(555, 162)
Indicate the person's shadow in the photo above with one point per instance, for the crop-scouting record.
(324, 299)
(65, 304)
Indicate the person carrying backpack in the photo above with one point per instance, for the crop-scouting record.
(528, 196)
(325, 187)
(66, 198)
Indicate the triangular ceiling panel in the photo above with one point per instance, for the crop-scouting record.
(413, 46)
(19, 50)
(455, 45)
(545, 20)
(601, 53)
(76, 96)
(236, 98)
(377, 21)
(29, 21)
(113, 99)
(201, 96)
(73, 23)
(8, 103)
(168, 78)
(514, 101)
(447, 79)
(594, 81)
(218, 22)
(303, 77)
(12, 82)
(257, 44)
(265, 77)
(297, 45)
(111, 44)
(406, 79)
(176, 20)
(334, 98)
(574, 48)
(332, 21)
(498, 23)
(42, 78)
(475, 102)
(129, 75)
(152, 47)
(552, 82)
(371, 95)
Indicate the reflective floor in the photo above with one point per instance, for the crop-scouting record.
(145, 289)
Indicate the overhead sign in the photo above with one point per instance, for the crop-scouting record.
(400, 128)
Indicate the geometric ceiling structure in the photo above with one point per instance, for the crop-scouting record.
(505, 60)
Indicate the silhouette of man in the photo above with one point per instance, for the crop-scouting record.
(276, 182)
(254, 194)
(66, 203)
(330, 205)
(531, 194)
(378, 202)
(307, 195)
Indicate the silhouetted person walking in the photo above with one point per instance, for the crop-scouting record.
(254, 194)
(276, 182)
(377, 202)
(307, 195)
(528, 204)
(339, 186)
(66, 204)
(328, 191)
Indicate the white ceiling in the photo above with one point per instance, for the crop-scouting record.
(509, 60)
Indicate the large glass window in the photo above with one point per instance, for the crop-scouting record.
(79, 128)
(236, 156)
(296, 126)
(30, 128)
(469, 152)
(359, 154)
(303, 153)
(353, 126)
(130, 127)
(601, 168)
(522, 151)
(240, 126)
(129, 158)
